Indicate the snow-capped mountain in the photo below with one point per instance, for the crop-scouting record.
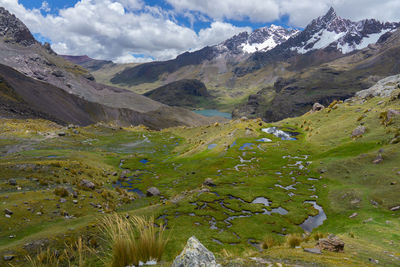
(335, 32)
(262, 39)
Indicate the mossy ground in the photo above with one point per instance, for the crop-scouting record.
(178, 160)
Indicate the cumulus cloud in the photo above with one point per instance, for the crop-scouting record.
(300, 12)
(120, 29)
(107, 29)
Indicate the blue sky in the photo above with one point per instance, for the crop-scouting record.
(145, 30)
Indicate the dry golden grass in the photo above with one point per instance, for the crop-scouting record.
(132, 240)
(294, 240)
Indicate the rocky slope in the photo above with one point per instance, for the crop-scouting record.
(337, 79)
(87, 62)
(40, 63)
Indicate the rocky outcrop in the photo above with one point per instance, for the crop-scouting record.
(383, 88)
(317, 107)
(12, 30)
(332, 243)
(87, 184)
(195, 255)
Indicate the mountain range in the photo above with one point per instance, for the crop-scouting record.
(275, 72)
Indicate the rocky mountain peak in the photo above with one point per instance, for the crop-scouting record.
(13, 30)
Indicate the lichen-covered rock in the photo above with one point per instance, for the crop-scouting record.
(317, 107)
(383, 88)
(195, 255)
(332, 243)
(359, 131)
(87, 184)
(153, 191)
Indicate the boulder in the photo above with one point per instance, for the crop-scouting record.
(359, 131)
(355, 214)
(87, 184)
(317, 107)
(378, 159)
(313, 250)
(209, 182)
(153, 191)
(8, 257)
(332, 243)
(395, 208)
(12, 182)
(61, 134)
(391, 113)
(195, 254)
(8, 212)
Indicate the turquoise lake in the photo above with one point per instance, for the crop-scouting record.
(213, 112)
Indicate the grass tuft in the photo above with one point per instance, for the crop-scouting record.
(132, 240)
(294, 240)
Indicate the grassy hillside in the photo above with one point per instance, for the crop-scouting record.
(262, 189)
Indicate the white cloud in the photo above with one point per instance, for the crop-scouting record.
(45, 7)
(300, 12)
(105, 29)
(118, 29)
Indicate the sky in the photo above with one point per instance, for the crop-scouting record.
(145, 30)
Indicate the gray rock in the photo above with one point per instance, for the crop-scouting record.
(355, 214)
(378, 159)
(383, 88)
(317, 107)
(8, 257)
(209, 182)
(313, 250)
(12, 182)
(153, 191)
(87, 184)
(8, 212)
(63, 200)
(359, 131)
(395, 208)
(61, 134)
(195, 255)
(332, 243)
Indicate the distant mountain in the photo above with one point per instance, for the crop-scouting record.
(43, 77)
(282, 70)
(183, 93)
(87, 62)
(232, 50)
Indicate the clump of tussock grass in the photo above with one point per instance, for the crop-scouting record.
(318, 235)
(294, 240)
(132, 240)
(74, 254)
(61, 191)
(270, 241)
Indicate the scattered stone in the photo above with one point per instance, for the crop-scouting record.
(153, 191)
(373, 202)
(63, 200)
(195, 254)
(332, 243)
(368, 220)
(12, 182)
(8, 212)
(391, 113)
(209, 182)
(114, 174)
(393, 183)
(355, 214)
(378, 159)
(359, 131)
(8, 257)
(62, 134)
(396, 208)
(373, 260)
(87, 184)
(323, 170)
(313, 250)
(36, 246)
(75, 201)
(317, 107)
(39, 213)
